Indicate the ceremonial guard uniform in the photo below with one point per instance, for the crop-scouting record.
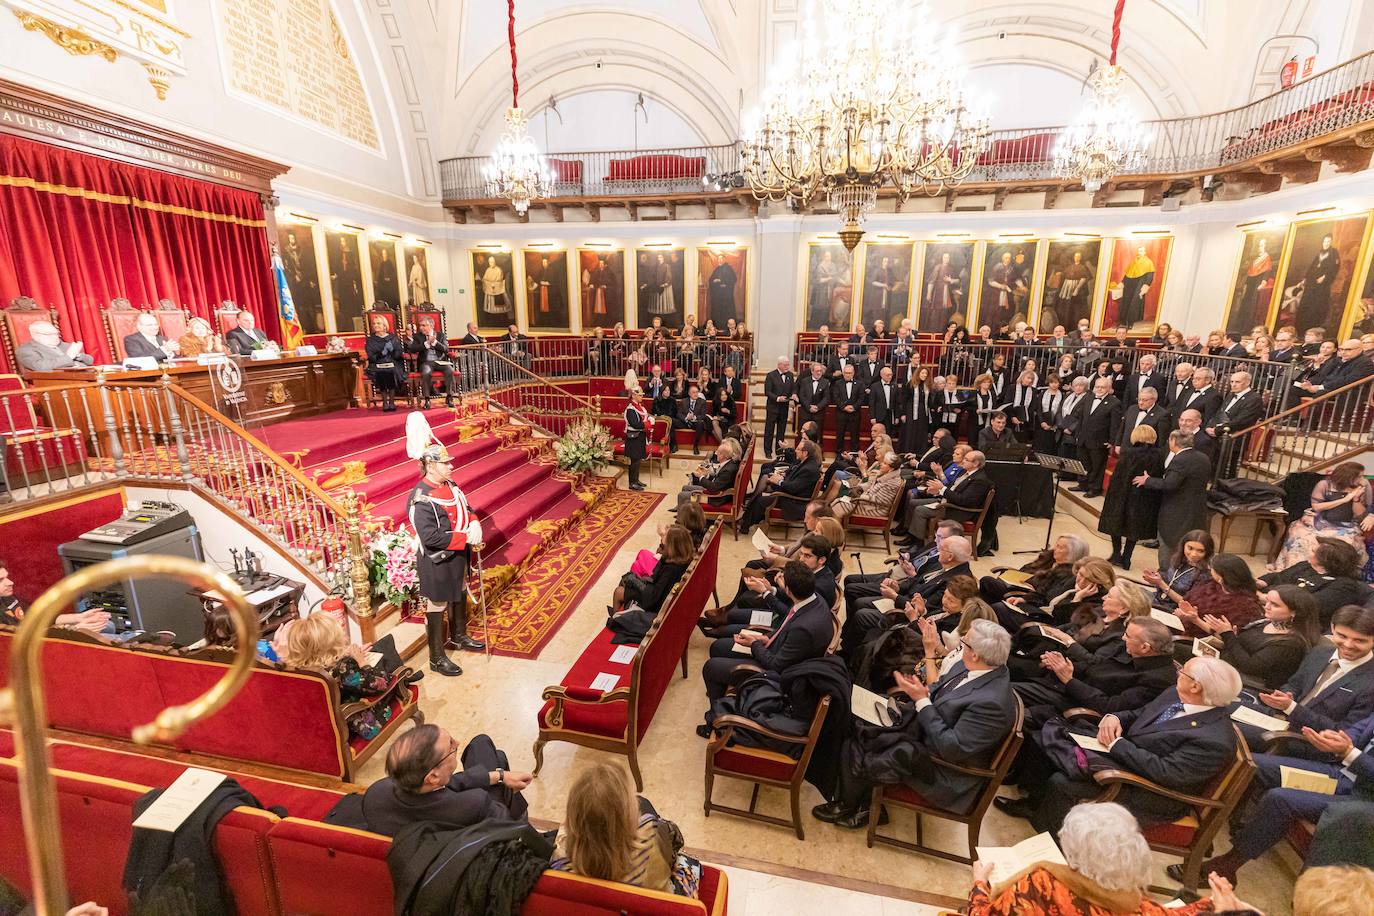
(638, 425)
(447, 529)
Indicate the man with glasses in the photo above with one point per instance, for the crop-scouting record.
(1353, 365)
(423, 783)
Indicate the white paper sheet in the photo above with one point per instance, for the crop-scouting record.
(1006, 861)
(623, 655)
(885, 605)
(1088, 743)
(761, 619)
(761, 541)
(1172, 621)
(741, 649)
(1258, 719)
(605, 682)
(869, 706)
(180, 800)
(1307, 780)
(1205, 648)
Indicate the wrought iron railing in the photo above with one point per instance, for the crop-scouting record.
(1330, 101)
(1308, 434)
(577, 356)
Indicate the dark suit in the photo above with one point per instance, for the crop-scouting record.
(866, 371)
(1136, 381)
(136, 345)
(1181, 753)
(800, 481)
(813, 397)
(1206, 402)
(692, 415)
(845, 395)
(861, 617)
(468, 797)
(803, 634)
(516, 347)
(1156, 418)
(720, 484)
(1171, 393)
(961, 500)
(1237, 415)
(1097, 431)
(241, 342)
(1184, 504)
(886, 407)
(1235, 350)
(434, 356)
(1345, 700)
(965, 722)
(778, 388)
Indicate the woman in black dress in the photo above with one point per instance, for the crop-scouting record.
(637, 428)
(915, 435)
(1267, 652)
(1044, 435)
(722, 414)
(1131, 513)
(385, 368)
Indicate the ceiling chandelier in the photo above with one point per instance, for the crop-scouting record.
(1107, 138)
(516, 170)
(871, 95)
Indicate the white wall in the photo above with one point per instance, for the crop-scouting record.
(608, 119)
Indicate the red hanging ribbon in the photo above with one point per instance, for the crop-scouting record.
(515, 81)
(1116, 28)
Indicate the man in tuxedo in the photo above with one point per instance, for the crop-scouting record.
(1350, 762)
(813, 397)
(778, 388)
(1285, 349)
(961, 500)
(1145, 412)
(1352, 366)
(1178, 388)
(953, 553)
(692, 415)
(834, 368)
(1179, 740)
(516, 346)
(805, 632)
(867, 371)
(799, 481)
(1098, 427)
(1184, 485)
(940, 453)
(473, 361)
(963, 719)
(247, 337)
(1145, 376)
(1204, 398)
(1190, 421)
(1231, 345)
(147, 340)
(432, 349)
(885, 399)
(848, 394)
(1241, 409)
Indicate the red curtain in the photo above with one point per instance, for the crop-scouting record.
(77, 231)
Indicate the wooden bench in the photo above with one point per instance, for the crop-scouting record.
(284, 721)
(617, 720)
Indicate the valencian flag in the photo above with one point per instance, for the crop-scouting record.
(292, 335)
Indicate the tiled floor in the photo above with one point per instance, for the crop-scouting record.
(500, 696)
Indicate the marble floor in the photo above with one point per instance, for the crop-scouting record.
(832, 870)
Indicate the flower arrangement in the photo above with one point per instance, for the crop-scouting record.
(586, 446)
(391, 566)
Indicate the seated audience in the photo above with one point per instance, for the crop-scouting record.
(798, 481)
(909, 563)
(45, 351)
(925, 585)
(423, 783)
(1334, 889)
(1340, 509)
(805, 632)
(692, 414)
(715, 477)
(318, 643)
(12, 610)
(1046, 577)
(1109, 873)
(1071, 609)
(638, 599)
(199, 339)
(693, 519)
(1179, 740)
(776, 556)
(963, 719)
(1268, 651)
(873, 494)
(764, 592)
(1229, 592)
(1190, 563)
(830, 528)
(611, 834)
(961, 500)
(722, 413)
(879, 442)
(944, 646)
(902, 640)
(386, 368)
(1331, 577)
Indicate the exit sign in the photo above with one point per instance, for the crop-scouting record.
(443, 289)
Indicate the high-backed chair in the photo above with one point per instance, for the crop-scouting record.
(19, 316)
(121, 320)
(973, 528)
(382, 309)
(413, 313)
(172, 319)
(227, 316)
(900, 796)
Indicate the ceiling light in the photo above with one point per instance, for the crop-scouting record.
(516, 170)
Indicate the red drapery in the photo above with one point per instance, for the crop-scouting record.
(77, 231)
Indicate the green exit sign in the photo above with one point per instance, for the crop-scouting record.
(443, 289)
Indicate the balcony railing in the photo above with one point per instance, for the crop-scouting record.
(1327, 102)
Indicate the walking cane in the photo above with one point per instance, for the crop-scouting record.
(482, 598)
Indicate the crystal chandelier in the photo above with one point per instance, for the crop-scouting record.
(1107, 138)
(870, 96)
(516, 170)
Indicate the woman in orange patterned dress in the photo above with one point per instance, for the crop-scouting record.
(1108, 870)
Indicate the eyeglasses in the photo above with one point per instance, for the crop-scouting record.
(1189, 676)
(452, 750)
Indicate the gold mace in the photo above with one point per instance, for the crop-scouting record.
(23, 701)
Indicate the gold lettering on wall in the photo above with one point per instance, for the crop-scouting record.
(292, 55)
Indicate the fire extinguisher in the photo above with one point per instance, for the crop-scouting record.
(333, 605)
(1288, 75)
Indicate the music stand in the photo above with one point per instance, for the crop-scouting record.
(1056, 466)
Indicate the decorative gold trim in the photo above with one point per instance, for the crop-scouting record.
(160, 79)
(74, 41)
(147, 14)
(21, 181)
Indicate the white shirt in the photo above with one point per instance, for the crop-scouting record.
(1343, 667)
(1235, 398)
(1139, 418)
(1170, 457)
(969, 677)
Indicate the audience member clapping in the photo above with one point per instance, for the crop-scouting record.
(878, 644)
(1331, 577)
(1268, 651)
(1190, 564)
(873, 494)
(714, 478)
(764, 592)
(1229, 592)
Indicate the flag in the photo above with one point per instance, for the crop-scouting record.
(292, 335)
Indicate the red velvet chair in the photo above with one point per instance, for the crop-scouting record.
(732, 510)
(121, 320)
(658, 450)
(172, 319)
(18, 318)
(617, 720)
(227, 315)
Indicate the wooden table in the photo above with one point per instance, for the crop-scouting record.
(275, 389)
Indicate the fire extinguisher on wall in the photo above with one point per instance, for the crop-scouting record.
(1288, 75)
(333, 605)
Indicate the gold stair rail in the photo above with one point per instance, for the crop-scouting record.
(24, 702)
(532, 397)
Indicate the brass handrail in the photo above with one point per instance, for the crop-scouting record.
(25, 703)
(492, 350)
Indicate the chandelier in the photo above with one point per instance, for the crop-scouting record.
(516, 170)
(870, 96)
(1107, 138)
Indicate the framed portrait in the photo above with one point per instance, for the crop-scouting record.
(1319, 271)
(1008, 282)
(1252, 289)
(1070, 284)
(386, 288)
(945, 286)
(345, 281)
(829, 287)
(886, 294)
(722, 284)
(1135, 284)
(660, 286)
(493, 288)
(546, 290)
(417, 287)
(601, 285)
(1362, 321)
(297, 244)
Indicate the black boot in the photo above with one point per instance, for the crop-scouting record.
(448, 399)
(438, 661)
(458, 637)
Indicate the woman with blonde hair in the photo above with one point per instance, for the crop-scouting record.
(612, 835)
(832, 529)
(318, 643)
(1129, 513)
(199, 338)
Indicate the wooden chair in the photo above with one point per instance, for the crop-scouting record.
(1189, 837)
(121, 320)
(776, 515)
(172, 319)
(413, 313)
(900, 796)
(380, 309)
(873, 524)
(227, 316)
(735, 507)
(972, 528)
(760, 766)
(20, 315)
